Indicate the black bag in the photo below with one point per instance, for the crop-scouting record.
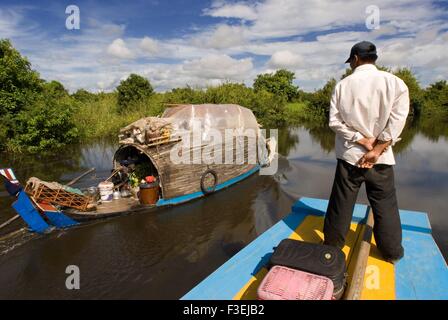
(314, 258)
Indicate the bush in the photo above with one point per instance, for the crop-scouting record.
(98, 117)
(55, 90)
(35, 115)
(436, 100)
(132, 90)
(279, 83)
(84, 96)
(185, 95)
(319, 101)
(19, 84)
(47, 125)
(415, 92)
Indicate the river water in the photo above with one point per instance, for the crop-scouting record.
(163, 254)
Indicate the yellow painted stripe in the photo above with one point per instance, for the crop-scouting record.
(309, 230)
(249, 291)
(379, 280)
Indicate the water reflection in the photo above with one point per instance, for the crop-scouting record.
(164, 254)
(320, 132)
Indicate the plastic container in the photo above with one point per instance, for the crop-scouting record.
(125, 193)
(106, 191)
(150, 179)
(282, 283)
(93, 192)
(117, 195)
(149, 193)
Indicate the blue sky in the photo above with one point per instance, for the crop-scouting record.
(201, 43)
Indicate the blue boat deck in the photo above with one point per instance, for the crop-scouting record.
(421, 274)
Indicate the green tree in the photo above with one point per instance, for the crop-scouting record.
(47, 125)
(35, 115)
(279, 83)
(19, 84)
(83, 95)
(436, 99)
(236, 93)
(319, 101)
(415, 92)
(55, 89)
(185, 95)
(134, 89)
(19, 87)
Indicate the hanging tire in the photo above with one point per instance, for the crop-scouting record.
(207, 189)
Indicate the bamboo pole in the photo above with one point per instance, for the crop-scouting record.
(114, 172)
(4, 224)
(80, 177)
(356, 284)
(11, 234)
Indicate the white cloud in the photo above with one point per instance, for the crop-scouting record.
(285, 59)
(282, 18)
(9, 21)
(234, 10)
(149, 45)
(222, 37)
(118, 49)
(219, 66)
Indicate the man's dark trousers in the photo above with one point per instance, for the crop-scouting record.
(380, 189)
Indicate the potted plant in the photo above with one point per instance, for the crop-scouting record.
(134, 182)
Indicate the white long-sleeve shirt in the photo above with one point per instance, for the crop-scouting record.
(368, 103)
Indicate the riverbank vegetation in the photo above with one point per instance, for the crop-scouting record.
(38, 115)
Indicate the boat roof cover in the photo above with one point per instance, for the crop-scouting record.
(216, 116)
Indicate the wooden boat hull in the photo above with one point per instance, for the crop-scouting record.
(127, 205)
(421, 274)
(179, 179)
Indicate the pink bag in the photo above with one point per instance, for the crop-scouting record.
(282, 283)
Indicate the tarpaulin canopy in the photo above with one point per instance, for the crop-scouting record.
(179, 119)
(211, 116)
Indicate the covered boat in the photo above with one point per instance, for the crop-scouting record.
(190, 154)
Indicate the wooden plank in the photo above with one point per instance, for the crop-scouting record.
(356, 283)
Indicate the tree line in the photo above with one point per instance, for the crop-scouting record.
(38, 115)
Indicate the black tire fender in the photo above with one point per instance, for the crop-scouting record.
(204, 189)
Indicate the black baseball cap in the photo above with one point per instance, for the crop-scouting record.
(363, 49)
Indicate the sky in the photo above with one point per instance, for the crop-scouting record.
(175, 43)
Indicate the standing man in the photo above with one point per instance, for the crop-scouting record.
(368, 113)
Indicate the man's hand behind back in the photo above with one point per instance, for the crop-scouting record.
(368, 143)
(371, 157)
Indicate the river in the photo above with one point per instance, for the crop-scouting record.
(163, 254)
